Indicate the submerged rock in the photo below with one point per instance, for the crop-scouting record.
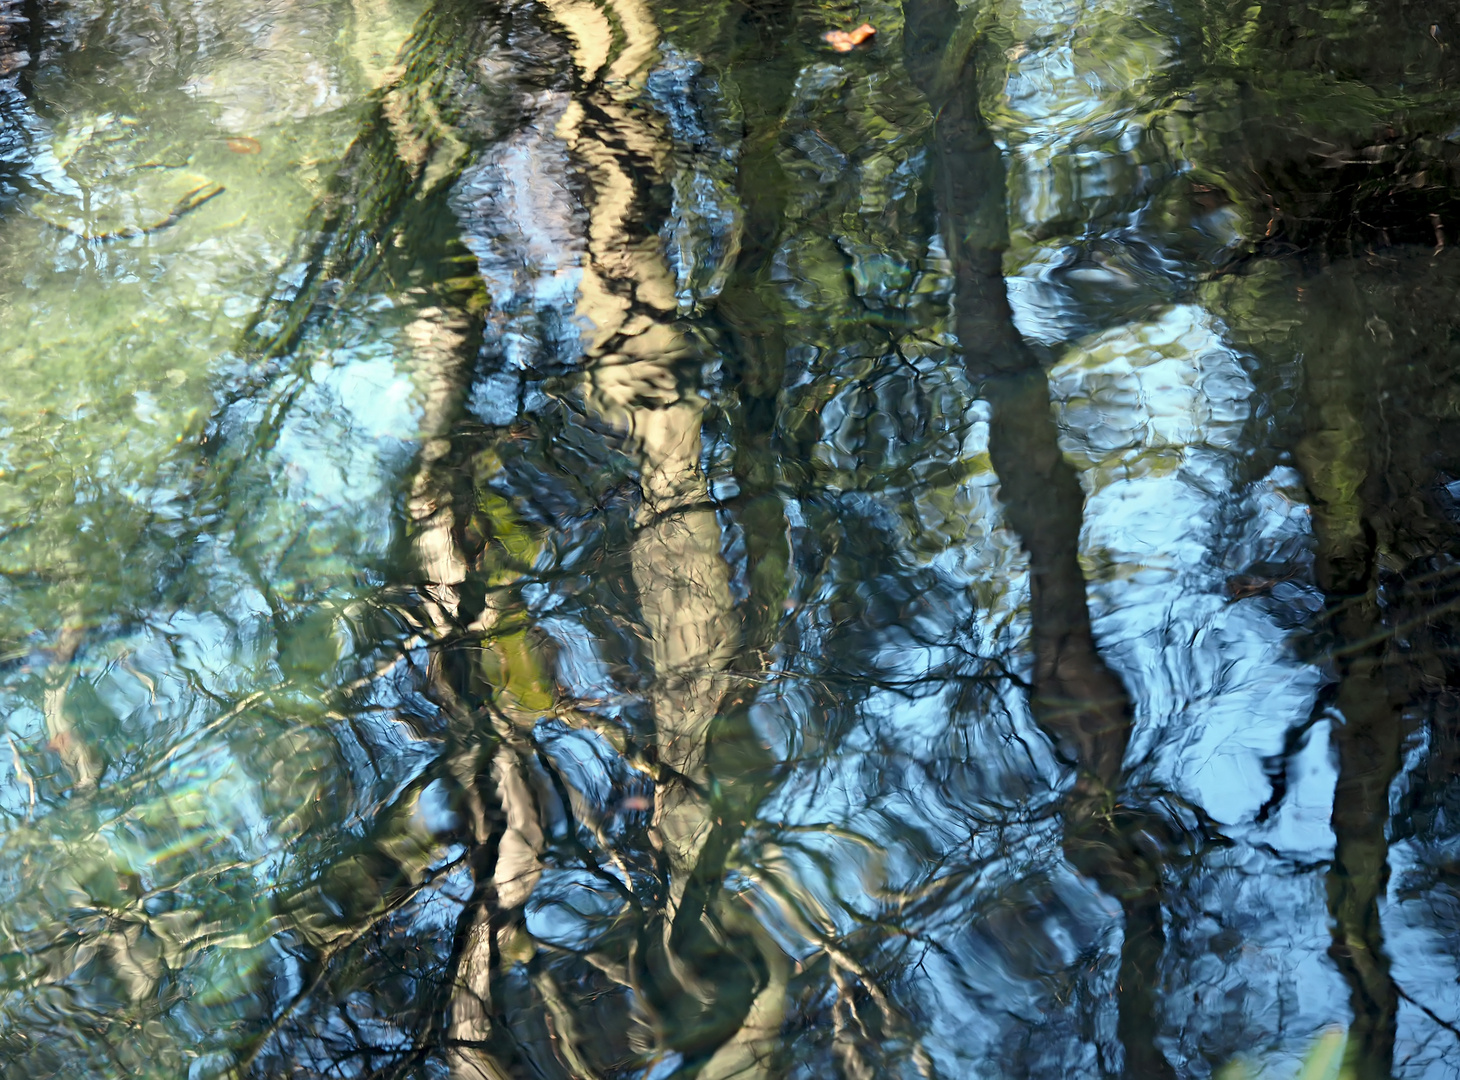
(115, 212)
(118, 181)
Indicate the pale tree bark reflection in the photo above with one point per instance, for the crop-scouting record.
(639, 382)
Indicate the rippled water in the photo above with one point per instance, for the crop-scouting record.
(615, 538)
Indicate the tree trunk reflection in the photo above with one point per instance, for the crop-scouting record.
(1079, 702)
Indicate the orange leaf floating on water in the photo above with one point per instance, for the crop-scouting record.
(847, 40)
(242, 144)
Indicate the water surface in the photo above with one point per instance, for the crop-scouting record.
(611, 538)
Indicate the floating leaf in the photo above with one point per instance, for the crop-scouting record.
(847, 40)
